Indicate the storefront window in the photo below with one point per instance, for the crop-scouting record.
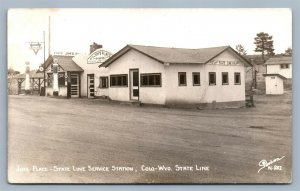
(181, 78)
(237, 78)
(61, 79)
(196, 78)
(212, 78)
(103, 82)
(151, 80)
(224, 78)
(118, 80)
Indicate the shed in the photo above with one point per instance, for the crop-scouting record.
(274, 84)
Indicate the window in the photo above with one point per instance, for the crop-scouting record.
(118, 80)
(50, 79)
(284, 66)
(196, 79)
(212, 78)
(61, 79)
(103, 82)
(224, 78)
(237, 78)
(135, 78)
(182, 78)
(151, 80)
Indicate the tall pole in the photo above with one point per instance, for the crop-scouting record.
(49, 36)
(36, 46)
(44, 65)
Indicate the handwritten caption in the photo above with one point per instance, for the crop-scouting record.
(270, 165)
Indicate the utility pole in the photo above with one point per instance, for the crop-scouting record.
(49, 36)
(44, 64)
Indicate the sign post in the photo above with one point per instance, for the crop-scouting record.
(55, 77)
(36, 46)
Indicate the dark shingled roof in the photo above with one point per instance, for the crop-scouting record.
(279, 60)
(65, 62)
(280, 76)
(174, 55)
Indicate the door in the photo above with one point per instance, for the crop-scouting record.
(74, 85)
(273, 85)
(90, 86)
(134, 84)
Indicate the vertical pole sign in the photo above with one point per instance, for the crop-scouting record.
(55, 77)
(27, 79)
(36, 46)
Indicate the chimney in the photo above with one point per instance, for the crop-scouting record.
(94, 47)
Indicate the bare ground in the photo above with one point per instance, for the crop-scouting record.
(48, 132)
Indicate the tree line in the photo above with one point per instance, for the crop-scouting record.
(264, 45)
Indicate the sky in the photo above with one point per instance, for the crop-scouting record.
(73, 30)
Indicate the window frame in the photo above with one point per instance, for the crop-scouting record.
(284, 66)
(61, 85)
(147, 75)
(215, 79)
(100, 82)
(196, 74)
(227, 83)
(235, 74)
(179, 74)
(118, 75)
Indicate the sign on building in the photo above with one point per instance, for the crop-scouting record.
(98, 56)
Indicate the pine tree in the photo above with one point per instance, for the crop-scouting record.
(288, 52)
(240, 49)
(264, 44)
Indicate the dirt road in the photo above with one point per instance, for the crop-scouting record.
(50, 137)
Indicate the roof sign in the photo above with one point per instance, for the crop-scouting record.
(98, 56)
(65, 53)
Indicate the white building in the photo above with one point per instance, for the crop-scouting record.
(79, 75)
(68, 76)
(279, 74)
(174, 76)
(91, 75)
(274, 83)
(280, 65)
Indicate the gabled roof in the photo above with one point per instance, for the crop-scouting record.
(174, 55)
(66, 62)
(279, 60)
(280, 76)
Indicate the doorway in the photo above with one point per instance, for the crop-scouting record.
(134, 84)
(74, 85)
(90, 86)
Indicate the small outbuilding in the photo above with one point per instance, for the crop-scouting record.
(274, 84)
(64, 79)
(212, 77)
(278, 75)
